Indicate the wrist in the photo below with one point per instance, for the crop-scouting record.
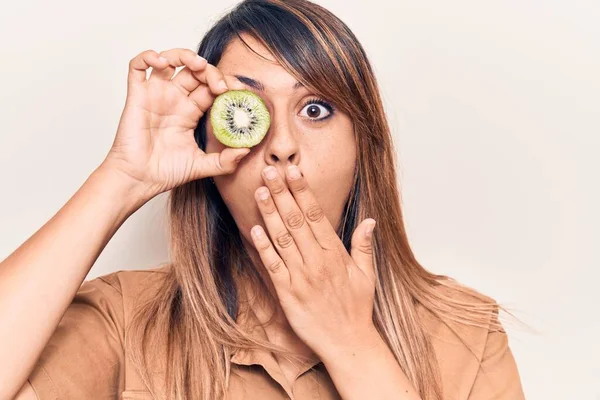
(121, 187)
(360, 344)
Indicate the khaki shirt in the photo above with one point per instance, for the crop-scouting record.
(84, 359)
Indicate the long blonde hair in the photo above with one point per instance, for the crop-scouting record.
(193, 314)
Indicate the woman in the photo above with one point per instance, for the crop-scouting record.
(314, 307)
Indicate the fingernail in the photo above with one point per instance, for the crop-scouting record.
(270, 173)
(293, 172)
(257, 231)
(222, 85)
(163, 59)
(200, 58)
(263, 194)
(370, 229)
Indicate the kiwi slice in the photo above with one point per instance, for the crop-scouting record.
(239, 118)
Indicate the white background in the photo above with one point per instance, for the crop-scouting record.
(495, 112)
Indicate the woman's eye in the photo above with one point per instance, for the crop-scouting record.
(315, 111)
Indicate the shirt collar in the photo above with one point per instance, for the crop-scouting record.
(252, 326)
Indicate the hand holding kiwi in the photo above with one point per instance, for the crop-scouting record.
(154, 146)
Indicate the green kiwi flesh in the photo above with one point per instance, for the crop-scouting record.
(239, 118)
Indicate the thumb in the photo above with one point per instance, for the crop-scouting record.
(361, 249)
(213, 164)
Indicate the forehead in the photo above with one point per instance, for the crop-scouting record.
(237, 59)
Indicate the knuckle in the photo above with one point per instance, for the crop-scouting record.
(218, 72)
(277, 189)
(270, 209)
(365, 248)
(211, 70)
(188, 54)
(294, 220)
(178, 52)
(315, 213)
(301, 187)
(275, 266)
(284, 239)
(263, 246)
(141, 55)
(219, 165)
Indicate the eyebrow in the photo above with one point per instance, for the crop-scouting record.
(253, 83)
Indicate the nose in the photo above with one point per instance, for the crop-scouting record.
(282, 146)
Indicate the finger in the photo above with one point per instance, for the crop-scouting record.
(140, 63)
(277, 269)
(291, 214)
(212, 77)
(204, 98)
(179, 58)
(185, 79)
(321, 228)
(281, 237)
(362, 246)
(164, 72)
(234, 83)
(214, 164)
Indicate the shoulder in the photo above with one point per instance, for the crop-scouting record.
(118, 292)
(452, 297)
(129, 282)
(90, 337)
(476, 361)
(459, 347)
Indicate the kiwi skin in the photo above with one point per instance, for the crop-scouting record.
(221, 114)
